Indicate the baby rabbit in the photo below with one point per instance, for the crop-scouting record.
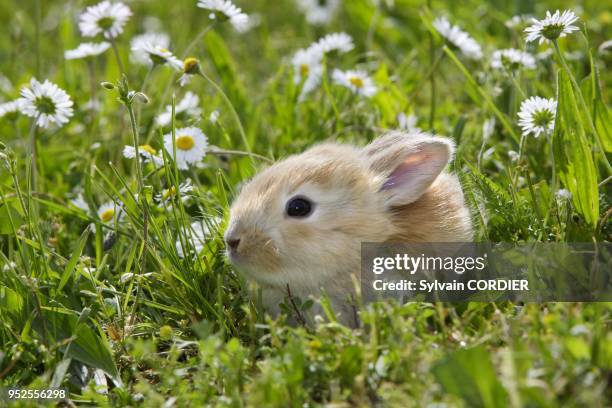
(301, 221)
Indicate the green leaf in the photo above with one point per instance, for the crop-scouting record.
(62, 208)
(391, 100)
(351, 360)
(591, 87)
(578, 348)
(10, 300)
(87, 346)
(60, 372)
(73, 260)
(603, 123)
(8, 213)
(573, 154)
(469, 375)
(484, 96)
(306, 305)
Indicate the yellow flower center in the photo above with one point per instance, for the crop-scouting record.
(356, 82)
(304, 70)
(162, 49)
(107, 215)
(169, 193)
(191, 65)
(147, 148)
(185, 142)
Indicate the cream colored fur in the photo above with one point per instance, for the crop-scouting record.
(352, 204)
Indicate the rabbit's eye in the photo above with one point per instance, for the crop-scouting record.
(299, 207)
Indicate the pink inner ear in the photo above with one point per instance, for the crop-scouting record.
(404, 171)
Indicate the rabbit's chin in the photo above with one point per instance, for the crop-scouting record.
(262, 277)
(278, 278)
(252, 272)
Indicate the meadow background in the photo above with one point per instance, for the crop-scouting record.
(117, 315)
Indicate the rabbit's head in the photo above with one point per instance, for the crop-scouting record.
(302, 220)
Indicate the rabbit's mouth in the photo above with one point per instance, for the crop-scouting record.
(234, 257)
(255, 260)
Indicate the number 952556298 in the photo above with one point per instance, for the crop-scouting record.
(17, 393)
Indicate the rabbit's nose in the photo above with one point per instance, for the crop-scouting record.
(232, 243)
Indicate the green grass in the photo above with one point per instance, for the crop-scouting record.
(117, 317)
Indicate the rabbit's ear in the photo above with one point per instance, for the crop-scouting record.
(407, 164)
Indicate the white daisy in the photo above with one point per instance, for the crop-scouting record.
(197, 235)
(104, 18)
(46, 102)
(159, 55)
(307, 69)
(537, 115)
(318, 11)
(147, 153)
(138, 55)
(225, 10)
(110, 212)
(357, 81)
(191, 144)
(552, 27)
(459, 38)
(341, 42)
(188, 106)
(10, 109)
(512, 59)
(85, 50)
(168, 194)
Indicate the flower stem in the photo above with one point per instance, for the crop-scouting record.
(93, 89)
(516, 83)
(219, 151)
(136, 143)
(117, 56)
(160, 105)
(583, 105)
(197, 39)
(143, 89)
(37, 44)
(172, 79)
(520, 156)
(232, 109)
(145, 207)
(33, 155)
(552, 160)
(432, 69)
